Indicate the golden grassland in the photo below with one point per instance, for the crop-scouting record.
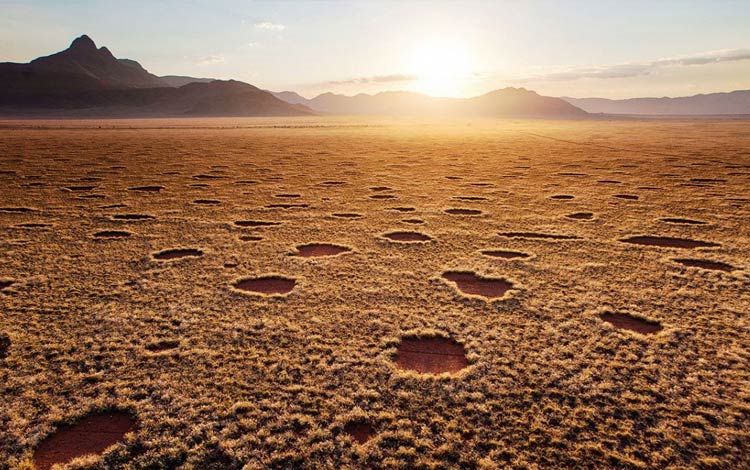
(220, 378)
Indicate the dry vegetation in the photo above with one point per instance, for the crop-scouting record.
(126, 254)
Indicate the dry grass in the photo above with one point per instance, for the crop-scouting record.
(220, 379)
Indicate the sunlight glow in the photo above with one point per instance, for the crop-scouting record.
(442, 65)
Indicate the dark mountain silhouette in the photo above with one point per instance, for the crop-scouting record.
(80, 67)
(181, 80)
(735, 102)
(508, 102)
(85, 81)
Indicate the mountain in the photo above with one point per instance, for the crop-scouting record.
(507, 102)
(80, 67)
(735, 102)
(83, 81)
(290, 97)
(181, 80)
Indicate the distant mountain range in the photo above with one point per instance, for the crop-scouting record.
(510, 102)
(86, 81)
(735, 102)
(83, 81)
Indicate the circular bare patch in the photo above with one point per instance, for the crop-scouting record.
(629, 322)
(91, 435)
(462, 211)
(382, 196)
(269, 285)
(407, 237)
(403, 209)
(177, 253)
(581, 215)
(504, 254)
(669, 242)
(706, 264)
(4, 345)
(162, 345)
(132, 217)
(314, 250)
(537, 235)
(430, 355)
(360, 431)
(255, 223)
(681, 221)
(471, 283)
(288, 196)
(562, 197)
(413, 221)
(112, 234)
(207, 202)
(151, 189)
(629, 197)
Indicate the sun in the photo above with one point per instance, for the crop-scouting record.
(441, 66)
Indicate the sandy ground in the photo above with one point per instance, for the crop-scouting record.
(222, 378)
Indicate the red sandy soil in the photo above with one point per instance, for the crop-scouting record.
(628, 322)
(360, 431)
(542, 236)
(505, 254)
(267, 285)
(678, 220)
(431, 355)
(463, 211)
(313, 250)
(407, 236)
(706, 264)
(669, 242)
(92, 435)
(112, 234)
(471, 283)
(581, 216)
(177, 253)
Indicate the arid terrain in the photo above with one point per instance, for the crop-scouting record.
(351, 294)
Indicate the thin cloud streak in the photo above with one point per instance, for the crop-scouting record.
(208, 60)
(268, 26)
(375, 79)
(639, 69)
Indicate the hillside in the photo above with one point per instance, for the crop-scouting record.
(735, 102)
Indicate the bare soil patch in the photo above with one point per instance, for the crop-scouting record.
(269, 285)
(162, 345)
(178, 253)
(581, 215)
(669, 242)
(471, 283)
(360, 431)
(463, 211)
(256, 223)
(705, 264)
(91, 435)
(314, 250)
(538, 235)
(431, 355)
(629, 322)
(407, 237)
(150, 189)
(562, 197)
(505, 254)
(207, 202)
(112, 234)
(682, 221)
(132, 217)
(629, 197)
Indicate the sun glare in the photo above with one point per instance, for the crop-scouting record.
(442, 67)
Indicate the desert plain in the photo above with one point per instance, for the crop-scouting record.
(330, 293)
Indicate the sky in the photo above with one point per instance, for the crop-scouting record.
(603, 48)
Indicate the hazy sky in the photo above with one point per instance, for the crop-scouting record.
(574, 48)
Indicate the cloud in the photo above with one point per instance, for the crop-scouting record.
(375, 79)
(208, 59)
(268, 26)
(643, 68)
